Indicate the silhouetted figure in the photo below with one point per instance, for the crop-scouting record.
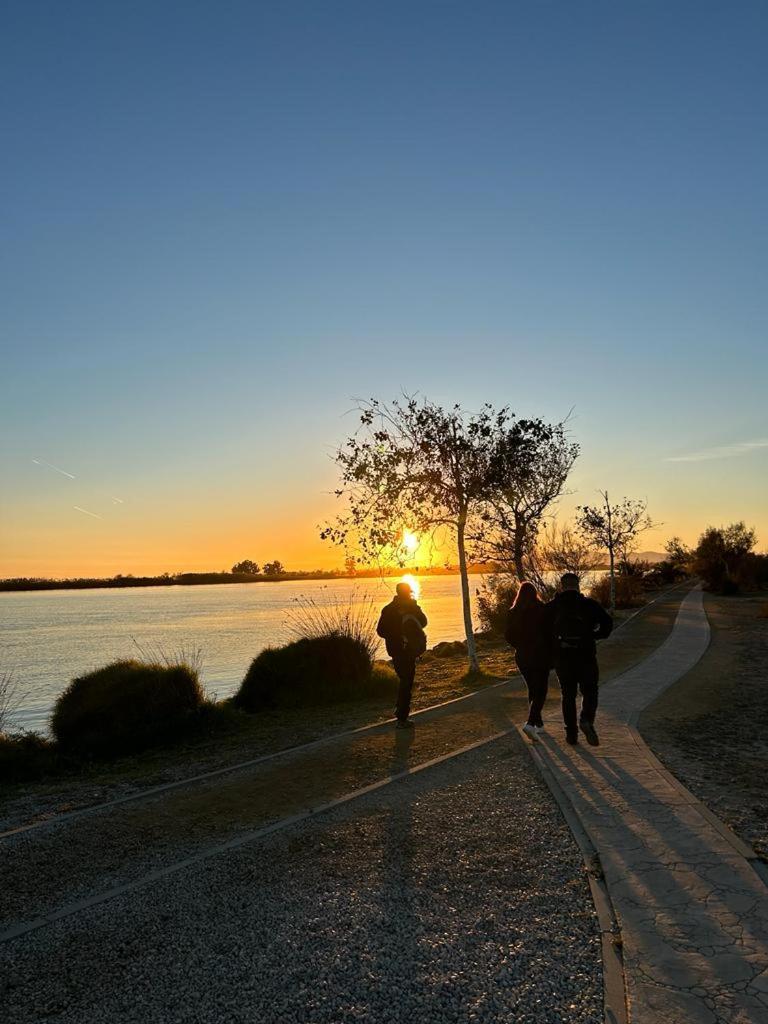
(527, 632)
(575, 622)
(401, 625)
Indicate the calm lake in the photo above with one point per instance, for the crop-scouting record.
(48, 637)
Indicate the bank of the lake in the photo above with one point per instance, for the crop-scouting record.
(49, 637)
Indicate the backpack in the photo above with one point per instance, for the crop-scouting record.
(573, 628)
(414, 637)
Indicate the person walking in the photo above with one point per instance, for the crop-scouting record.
(401, 625)
(574, 623)
(526, 631)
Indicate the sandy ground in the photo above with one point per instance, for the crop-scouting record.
(711, 728)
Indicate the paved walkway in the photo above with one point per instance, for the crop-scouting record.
(693, 912)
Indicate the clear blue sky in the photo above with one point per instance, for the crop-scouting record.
(221, 220)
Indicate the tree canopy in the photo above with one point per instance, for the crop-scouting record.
(415, 466)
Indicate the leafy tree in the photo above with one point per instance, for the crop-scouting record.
(678, 554)
(720, 553)
(350, 566)
(273, 568)
(246, 568)
(415, 465)
(533, 485)
(615, 529)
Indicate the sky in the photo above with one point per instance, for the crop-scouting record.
(224, 221)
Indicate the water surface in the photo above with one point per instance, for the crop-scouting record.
(49, 637)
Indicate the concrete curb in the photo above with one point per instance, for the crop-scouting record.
(615, 1003)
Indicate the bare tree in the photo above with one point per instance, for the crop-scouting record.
(615, 529)
(10, 699)
(562, 549)
(413, 465)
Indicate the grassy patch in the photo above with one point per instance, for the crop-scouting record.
(711, 727)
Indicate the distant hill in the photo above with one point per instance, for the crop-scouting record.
(649, 556)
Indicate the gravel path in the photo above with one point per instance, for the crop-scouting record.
(455, 895)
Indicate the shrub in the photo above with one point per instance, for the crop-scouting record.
(308, 672)
(125, 707)
(629, 591)
(26, 756)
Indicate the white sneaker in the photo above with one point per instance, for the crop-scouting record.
(530, 730)
(540, 729)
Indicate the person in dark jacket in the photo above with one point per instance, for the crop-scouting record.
(401, 625)
(574, 623)
(526, 631)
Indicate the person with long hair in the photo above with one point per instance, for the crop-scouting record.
(527, 632)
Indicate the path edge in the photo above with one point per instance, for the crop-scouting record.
(615, 995)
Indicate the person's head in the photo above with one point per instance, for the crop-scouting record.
(403, 591)
(569, 581)
(526, 595)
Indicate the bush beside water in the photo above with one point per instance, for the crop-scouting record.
(309, 672)
(126, 707)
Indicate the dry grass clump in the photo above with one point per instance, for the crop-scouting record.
(310, 619)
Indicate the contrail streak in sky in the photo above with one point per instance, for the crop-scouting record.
(117, 501)
(85, 511)
(42, 462)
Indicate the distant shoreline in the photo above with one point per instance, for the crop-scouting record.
(191, 579)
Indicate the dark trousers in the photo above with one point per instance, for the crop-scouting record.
(537, 681)
(406, 673)
(578, 672)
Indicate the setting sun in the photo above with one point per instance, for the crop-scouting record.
(410, 541)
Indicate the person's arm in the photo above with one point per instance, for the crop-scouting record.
(604, 622)
(381, 629)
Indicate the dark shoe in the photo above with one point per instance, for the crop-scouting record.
(589, 731)
(404, 723)
(572, 738)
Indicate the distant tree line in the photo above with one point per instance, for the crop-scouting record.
(250, 568)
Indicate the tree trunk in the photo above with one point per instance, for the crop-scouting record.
(519, 549)
(474, 664)
(613, 582)
(611, 552)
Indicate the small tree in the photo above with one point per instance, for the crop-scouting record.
(563, 549)
(414, 465)
(246, 568)
(533, 485)
(350, 566)
(273, 568)
(615, 529)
